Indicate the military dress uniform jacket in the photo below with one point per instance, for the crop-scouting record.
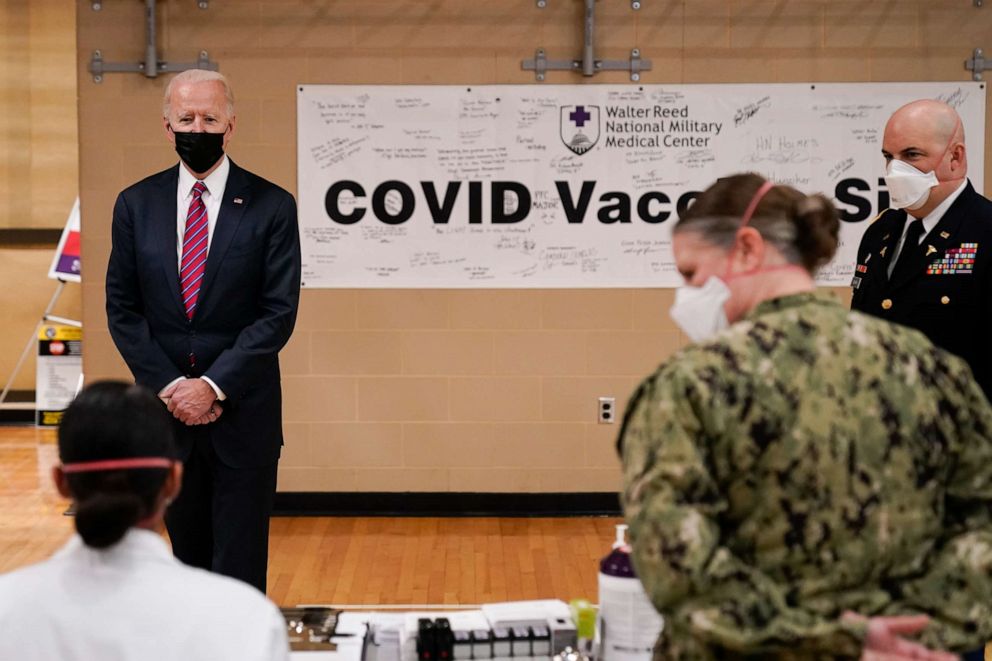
(947, 294)
(807, 461)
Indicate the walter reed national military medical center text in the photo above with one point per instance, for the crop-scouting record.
(655, 127)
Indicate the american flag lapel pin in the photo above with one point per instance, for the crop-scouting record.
(238, 200)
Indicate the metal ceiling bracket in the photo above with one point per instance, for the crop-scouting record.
(98, 67)
(588, 65)
(635, 65)
(977, 64)
(634, 4)
(151, 67)
(540, 65)
(97, 5)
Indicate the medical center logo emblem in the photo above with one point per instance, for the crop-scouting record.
(580, 127)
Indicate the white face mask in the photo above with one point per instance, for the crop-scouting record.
(699, 310)
(909, 188)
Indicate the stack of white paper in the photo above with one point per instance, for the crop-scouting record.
(508, 614)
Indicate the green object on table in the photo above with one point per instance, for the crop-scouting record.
(584, 617)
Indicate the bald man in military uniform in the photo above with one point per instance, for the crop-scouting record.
(924, 263)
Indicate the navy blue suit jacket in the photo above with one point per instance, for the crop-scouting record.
(245, 313)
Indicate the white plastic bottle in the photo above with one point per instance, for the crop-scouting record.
(629, 625)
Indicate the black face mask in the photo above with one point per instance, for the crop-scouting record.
(200, 151)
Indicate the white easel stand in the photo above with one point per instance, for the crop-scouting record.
(46, 317)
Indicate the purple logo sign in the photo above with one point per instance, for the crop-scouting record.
(580, 127)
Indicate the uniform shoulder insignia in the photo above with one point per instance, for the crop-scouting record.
(884, 211)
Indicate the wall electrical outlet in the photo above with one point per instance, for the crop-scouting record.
(607, 410)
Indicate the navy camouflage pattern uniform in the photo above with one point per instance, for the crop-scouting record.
(806, 461)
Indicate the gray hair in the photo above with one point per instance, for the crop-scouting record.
(721, 231)
(197, 76)
(804, 229)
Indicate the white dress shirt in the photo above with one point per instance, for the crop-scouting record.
(929, 222)
(133, 601)
(215, 182)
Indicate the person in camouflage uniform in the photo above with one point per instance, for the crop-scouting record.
(806, 461)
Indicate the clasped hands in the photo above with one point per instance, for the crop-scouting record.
(884, 639)
(192, 402)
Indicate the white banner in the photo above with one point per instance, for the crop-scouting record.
(573, 185)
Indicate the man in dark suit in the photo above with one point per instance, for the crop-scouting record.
(203, 286)
(927, 261)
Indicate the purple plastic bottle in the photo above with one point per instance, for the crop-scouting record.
(629, 625)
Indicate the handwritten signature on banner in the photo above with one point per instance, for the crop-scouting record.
(750, 110)
(487, 193)
(954, 99)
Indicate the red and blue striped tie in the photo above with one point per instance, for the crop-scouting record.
(194, 260)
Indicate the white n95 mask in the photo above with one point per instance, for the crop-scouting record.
(699, 310)
(909, 188)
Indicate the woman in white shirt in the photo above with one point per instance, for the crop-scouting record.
(115, 591)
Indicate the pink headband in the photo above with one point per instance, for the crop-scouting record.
(117, 464)
(755, 201)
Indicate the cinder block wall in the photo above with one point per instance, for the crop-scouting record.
(440, 390)
(38, 165)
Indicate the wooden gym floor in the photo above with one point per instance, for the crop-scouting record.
(452, 561)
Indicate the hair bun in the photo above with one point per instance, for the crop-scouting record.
(818, 228)
(103, 518)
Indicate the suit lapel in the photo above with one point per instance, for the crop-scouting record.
(890, 239)
(936, 243)
(164, 219)
(228, 220)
